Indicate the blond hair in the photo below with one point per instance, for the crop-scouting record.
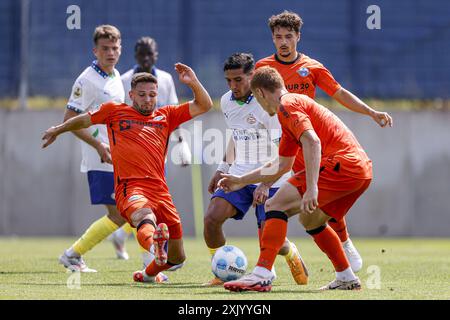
(106, 31)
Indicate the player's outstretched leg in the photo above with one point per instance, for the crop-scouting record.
(328, 241)
(141, 276)
(219, 210)
(353, 256)
(74, 262)
(160, 238)
(293, 259)
(147, 230)
(97, 232)
(259, 280)
(148, 257)
(118, 239)
(175, 253)
(272, 239)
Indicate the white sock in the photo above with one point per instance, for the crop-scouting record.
(347, 242)
(121, 235)
(71, 253)
(263, 272)
(147, 277)
(346, 275)
(147, 257)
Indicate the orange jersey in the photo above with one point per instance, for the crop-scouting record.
(340, 149)
(302, 75)
(139, 143)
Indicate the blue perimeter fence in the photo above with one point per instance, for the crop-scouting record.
(407, 58)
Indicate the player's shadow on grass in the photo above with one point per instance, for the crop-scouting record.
(272, 293)
(58, 284)
(179, 285)
(28, 272)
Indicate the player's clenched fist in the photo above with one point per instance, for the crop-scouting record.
(382, 118)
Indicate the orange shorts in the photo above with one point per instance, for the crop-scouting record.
(337, 193)
(132, 195)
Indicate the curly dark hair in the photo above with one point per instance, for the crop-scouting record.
(286, 19)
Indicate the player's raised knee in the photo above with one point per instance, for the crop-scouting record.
(271, 205)
(142, 214)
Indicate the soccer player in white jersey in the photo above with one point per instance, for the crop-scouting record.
(146, 55)
(254, 138)
(98, 83)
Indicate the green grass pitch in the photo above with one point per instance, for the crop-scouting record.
(408, 269)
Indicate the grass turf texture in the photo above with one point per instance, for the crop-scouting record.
(410, 269)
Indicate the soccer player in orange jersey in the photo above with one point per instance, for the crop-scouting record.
(334, 172)
(302, 74)
(139, 136)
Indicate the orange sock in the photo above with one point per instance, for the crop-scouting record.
(340, 227)
(272, 238)
(145, 232)
(153, 269)
(328, 241)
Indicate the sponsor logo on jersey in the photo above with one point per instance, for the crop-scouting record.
(124, 125)
(303, 72)
(251, 119)
(134, 198)
(158, 118)
(77, 92)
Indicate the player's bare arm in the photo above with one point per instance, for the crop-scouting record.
(202, 101)
(76, 123)
(352, 102)
(228, 158)
(312, 155)
(261, 193)
(103, 149)
(269, 172)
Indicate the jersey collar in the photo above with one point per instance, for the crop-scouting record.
(299, 55)
(97, 68)
(152, 71)
(249, 98)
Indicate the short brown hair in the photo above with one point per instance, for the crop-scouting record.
(267, 78)
(286, 19)
(106, 31)
(142, 77)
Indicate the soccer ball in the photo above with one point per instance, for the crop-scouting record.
(229, 263)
